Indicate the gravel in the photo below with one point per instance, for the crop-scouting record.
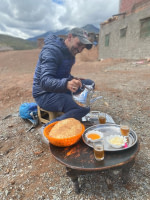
(29, 172)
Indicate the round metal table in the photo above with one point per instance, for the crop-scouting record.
(79, 159)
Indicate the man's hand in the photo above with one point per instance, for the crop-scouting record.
(74, 84)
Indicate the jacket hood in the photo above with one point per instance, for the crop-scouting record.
(56, 41)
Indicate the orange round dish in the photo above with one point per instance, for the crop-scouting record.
(93, 136)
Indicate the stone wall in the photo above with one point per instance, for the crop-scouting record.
(127, 5)
(130, 47)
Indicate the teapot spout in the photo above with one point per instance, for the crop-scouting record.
(95, 99)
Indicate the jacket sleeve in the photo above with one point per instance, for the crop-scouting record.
(50, 59)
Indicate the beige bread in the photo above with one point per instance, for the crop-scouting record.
(66, 128)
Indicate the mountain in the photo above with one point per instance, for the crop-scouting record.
(40, 36)
(64, 31)
(14, 43)
(60, 32)
(89, 28)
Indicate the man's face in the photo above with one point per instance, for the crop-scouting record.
(75, 46)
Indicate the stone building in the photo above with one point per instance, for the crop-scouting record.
(127, 34)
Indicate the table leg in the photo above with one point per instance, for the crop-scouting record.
(71, 173)
(125, 172)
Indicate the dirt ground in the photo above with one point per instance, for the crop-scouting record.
(28, 170)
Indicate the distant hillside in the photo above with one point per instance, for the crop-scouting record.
(14, 43)
(39, 36)
(60, 32)
(9, 42)
(89, 27)
(64, 31)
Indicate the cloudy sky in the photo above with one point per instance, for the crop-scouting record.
(29, 18)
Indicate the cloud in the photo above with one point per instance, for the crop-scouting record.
(33, 17)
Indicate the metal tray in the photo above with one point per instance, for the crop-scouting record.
(110, 129)
(93, 117)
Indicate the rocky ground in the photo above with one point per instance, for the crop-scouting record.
(27, 169)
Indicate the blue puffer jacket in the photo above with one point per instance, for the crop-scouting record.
(53, 68)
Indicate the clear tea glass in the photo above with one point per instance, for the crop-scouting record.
(98, 147)
(102, 118)
(125, 128)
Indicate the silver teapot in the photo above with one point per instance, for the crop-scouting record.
(85, 97)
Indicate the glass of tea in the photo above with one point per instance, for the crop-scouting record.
(125, 128)
(98, 147)
(102, 118)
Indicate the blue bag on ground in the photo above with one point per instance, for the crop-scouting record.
(29, 111)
